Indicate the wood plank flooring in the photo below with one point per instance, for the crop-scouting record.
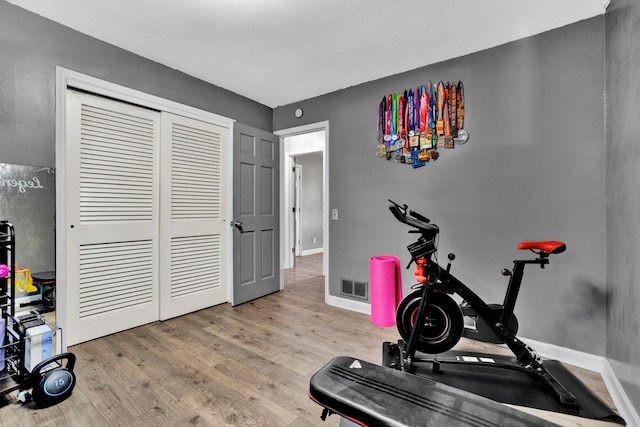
(239, 366)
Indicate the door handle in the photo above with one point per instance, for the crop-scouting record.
(237, 224)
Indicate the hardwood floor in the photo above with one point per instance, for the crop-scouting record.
(246, 366)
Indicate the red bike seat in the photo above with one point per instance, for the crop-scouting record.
(548, 246)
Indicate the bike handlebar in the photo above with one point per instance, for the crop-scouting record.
(412, 219)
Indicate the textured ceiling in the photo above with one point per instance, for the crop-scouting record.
(280, 51)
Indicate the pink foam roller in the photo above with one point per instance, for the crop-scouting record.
(386, 289)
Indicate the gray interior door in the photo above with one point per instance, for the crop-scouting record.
(256, 203)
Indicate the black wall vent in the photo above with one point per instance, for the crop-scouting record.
(354, 289)
(360, 289)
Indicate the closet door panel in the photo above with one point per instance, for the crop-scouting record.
(192, 232)
(112, 210)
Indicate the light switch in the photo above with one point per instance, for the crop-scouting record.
(334, 214)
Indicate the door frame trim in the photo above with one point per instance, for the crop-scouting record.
(69, 79)
(297, 201)
(284, 257)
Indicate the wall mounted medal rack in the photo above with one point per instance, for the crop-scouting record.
(415, 124)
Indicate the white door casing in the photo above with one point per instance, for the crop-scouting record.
(297, 234)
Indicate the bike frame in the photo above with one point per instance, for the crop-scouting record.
(438, 279)
(448, 283)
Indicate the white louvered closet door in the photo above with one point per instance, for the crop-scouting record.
(192, 232)
(112, 210)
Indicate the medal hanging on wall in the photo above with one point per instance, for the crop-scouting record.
(387, 121)
(448, 139)
(460, 105)
(425, 137)
(397, 125)
(414, 141)
(401, 123)
(395, 148)
(441, 108)
(440, 121)
(462, 135)
(432, 114)
(389, 125)
(453, 109)
(414, 138)
(405, 114)
(382, 149)
(391, 146)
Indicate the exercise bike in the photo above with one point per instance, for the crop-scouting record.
(430, 321)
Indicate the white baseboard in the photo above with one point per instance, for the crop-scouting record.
(619, 396)
(594, 363)
(312, 251)
(567, 355)
(349, 304)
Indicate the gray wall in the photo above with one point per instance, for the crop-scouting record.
(532, 170)
(623, 194)
(32, 47)
(311, 201)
